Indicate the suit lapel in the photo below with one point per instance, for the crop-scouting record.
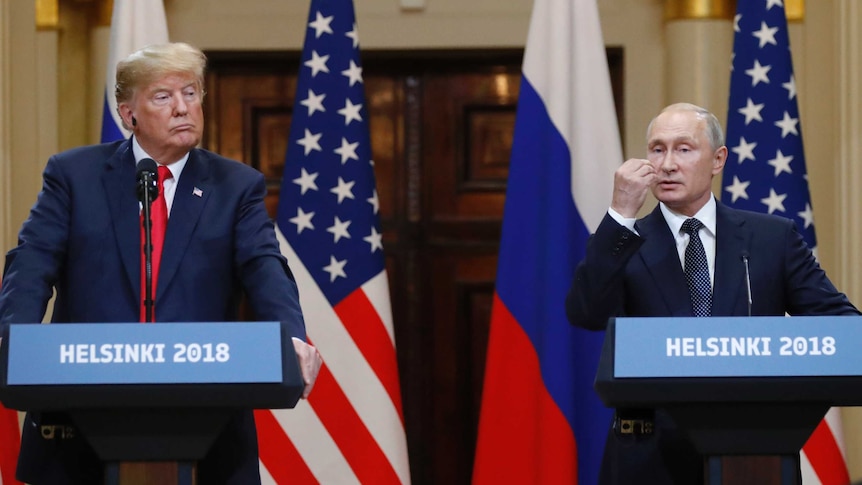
(661, 259)
(732, 238)
(193, 190)
(119, 183)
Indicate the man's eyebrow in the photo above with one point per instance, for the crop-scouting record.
(679, 139)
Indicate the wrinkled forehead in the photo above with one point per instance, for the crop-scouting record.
(677, 125)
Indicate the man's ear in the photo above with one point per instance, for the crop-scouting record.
(125, 113)
(718, 160)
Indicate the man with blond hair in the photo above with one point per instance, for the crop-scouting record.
(83, 239)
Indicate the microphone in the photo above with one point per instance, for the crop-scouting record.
(745, 257)
(148, 190)
(147, 181)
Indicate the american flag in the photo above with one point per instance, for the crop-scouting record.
(351, 429)
(765, 169)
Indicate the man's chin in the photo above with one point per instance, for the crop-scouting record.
(187, 141)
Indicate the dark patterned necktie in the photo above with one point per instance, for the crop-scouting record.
(697, 270)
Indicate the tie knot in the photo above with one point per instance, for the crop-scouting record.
(691, 226)
(164, 173)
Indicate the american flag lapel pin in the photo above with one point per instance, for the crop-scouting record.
(198, 192)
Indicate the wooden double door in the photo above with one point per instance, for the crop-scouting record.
(441, 129)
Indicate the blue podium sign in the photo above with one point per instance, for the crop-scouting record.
(135, 353)
(737, 347)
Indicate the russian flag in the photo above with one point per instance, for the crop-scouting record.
(541, 421)
(134, 24)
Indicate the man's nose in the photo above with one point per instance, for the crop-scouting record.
(180, 105)
(668, 162)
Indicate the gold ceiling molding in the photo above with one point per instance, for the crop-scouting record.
(699, 9)
(47, 14)
(795, 10)
(721, 9)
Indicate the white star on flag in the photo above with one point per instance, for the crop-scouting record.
(807, 216)
(375, 239)
(338, 229)
(306, 181)
(310, 141)
(744, 150)
(313, 102)
(321, 25)
(758, 73)
(787, 125)
(790, 86)
(354, 73)
(766, 35)
(738, 189)
(752, 111)
(335, 268)
(343, 190)
(317, 64)
(774, 202)
(353, 35)
(350, 111)
(302, 220)
(374, 201)
(347, 151)
(781, 163)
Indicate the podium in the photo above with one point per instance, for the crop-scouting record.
(749, 391)
(149, 398)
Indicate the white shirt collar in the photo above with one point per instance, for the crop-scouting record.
(176, 168)
(705, 215)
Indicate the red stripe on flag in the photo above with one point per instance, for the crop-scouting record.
(362, 321)
(277, 452)
(10, 442)
(359, 448)
(825, 457)
(540, 447)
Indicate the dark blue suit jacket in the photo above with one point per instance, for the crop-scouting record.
(625, 274)
(83, 239)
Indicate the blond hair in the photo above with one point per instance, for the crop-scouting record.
(154, 62)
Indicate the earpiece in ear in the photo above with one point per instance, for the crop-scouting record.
(134, 121)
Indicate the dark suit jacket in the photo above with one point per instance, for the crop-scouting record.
(625, 274)
(83, 238)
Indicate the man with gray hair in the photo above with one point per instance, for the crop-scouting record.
(217, 243)
(685, 259)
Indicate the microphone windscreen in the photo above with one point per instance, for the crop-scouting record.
(147, 165)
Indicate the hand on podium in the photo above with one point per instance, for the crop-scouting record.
(309, 364)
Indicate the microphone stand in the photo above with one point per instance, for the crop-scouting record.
(147, 201)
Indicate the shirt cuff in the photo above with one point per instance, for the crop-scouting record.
(627, 222)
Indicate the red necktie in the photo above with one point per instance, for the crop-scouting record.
(159, 218)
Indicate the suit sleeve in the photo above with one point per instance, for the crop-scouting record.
(263, 270)
(808, 291)
(598, 289)
(32, 268)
